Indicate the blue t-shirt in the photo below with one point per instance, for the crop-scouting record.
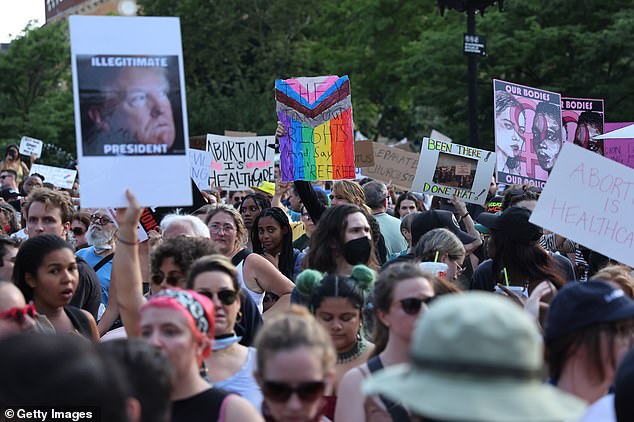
(89, 255)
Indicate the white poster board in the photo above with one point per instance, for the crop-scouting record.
(130, 110)
(588, 198)
(31, 146)
(200, 167)
(445, 169)
(239, 163)
(60, 177)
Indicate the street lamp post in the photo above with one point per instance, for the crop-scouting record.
(473, 47)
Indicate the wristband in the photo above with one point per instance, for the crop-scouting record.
(126, 242)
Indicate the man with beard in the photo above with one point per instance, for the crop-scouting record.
(101, 238)
(547, 138)
(51, 212)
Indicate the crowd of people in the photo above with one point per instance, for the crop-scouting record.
(317, 301)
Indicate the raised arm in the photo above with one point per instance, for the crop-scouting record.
(126, 268)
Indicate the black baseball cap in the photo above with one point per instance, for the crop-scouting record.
(578, 305)
(513, 224)
(437, 219)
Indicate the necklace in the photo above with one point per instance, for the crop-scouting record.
(360, 346)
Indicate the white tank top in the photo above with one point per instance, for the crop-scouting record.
(258, 298)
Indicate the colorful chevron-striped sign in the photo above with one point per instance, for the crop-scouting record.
(319, 140)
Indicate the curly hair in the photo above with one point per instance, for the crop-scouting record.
(184, 250)
(241, 230)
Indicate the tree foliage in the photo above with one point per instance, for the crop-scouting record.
(405, 62)
(36, 98)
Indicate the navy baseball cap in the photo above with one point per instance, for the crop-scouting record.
(578, 305)
(513, 224)
(437, 219)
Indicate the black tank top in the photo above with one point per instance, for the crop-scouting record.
(203, 407)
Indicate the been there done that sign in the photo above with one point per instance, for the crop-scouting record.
(601, 218)
(445, 169)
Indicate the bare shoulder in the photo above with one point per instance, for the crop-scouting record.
(239, 409)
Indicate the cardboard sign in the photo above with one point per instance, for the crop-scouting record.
(439, 136)
(60, 177)
(241, 163)
(528, 133)
(583, 119)
(589, 199)
(445, 169)
(200, 167)
(130, 110)
(393, 165)
(319, 140)
(239, 134)
(31, 146)
(363, 154)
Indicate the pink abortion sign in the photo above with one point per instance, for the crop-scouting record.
(619, 150)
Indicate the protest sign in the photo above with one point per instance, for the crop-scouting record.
(619, 149)
(241, 163)
(31, 146)
(130, 110)
(319, 140)
(600, 219)
(363, 154)
(60, 177)
(239, 134)
(393, 165)
(445, 169)
(528, 133)
(200, 167)
(583, 119)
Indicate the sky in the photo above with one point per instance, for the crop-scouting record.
(15, 14)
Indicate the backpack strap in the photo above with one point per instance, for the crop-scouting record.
(396, 411)
(103, 262)
(240, 256)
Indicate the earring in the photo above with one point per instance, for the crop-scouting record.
(239, 318)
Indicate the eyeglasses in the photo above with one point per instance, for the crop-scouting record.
(172, 280)
(78, 231)
(18, 315)
(217, 228)
(102, 220)
(337, 197)
(412, 305)
(226, 297)
(281, 391)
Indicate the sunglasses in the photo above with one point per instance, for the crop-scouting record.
(172, 280)
(281, 391)
(412, 305)
(102, 220)
(78, 231)
(18, 315)
(226, 297)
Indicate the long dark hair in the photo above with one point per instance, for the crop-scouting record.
(30, 257)
(530, 260)
(407, 196)
(326, 242)
(286, 263)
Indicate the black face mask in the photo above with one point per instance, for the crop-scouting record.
(357, 251)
